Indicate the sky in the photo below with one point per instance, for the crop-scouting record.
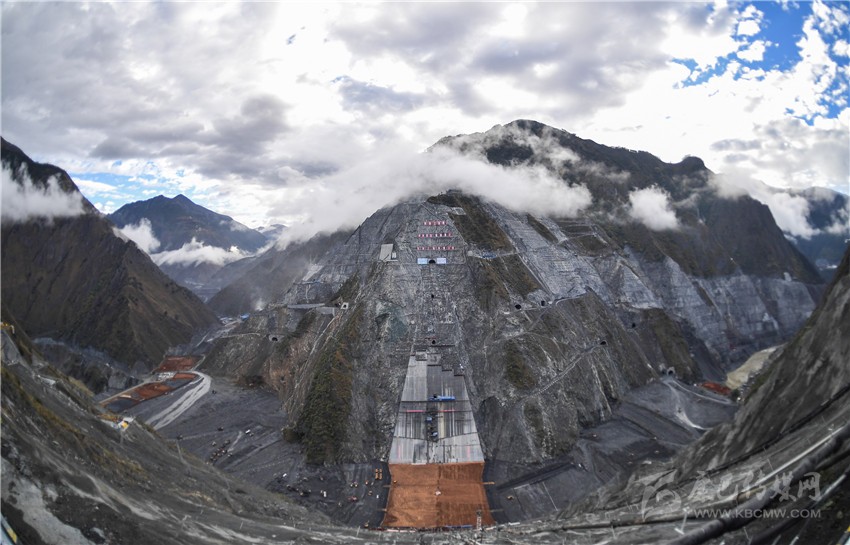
(288, 112)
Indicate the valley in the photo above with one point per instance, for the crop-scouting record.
(452, 370)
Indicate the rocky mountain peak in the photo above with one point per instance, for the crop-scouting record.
(24, 171)
(573, 311)
(73, 279)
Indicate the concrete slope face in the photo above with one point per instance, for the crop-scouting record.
(550, 334)
(438, 427)
(435, 461)
(777, 473)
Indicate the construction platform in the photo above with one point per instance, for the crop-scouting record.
(437, 496)
(148, 390)
(176, 363)
(436, 461)
(435, 424)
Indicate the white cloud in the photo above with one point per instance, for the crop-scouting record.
(143, 89)
(841, 223)
(833, 17)
(651, 207)
(745, 103)
(107, 207)
(750, 23)
(754, 52)
(790, 211)
(194, 253)
(346, 198)
(142, 235)
(748, 27)
(236, 226)
(25, 200)
(95, 189)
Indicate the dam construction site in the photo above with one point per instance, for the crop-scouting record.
(453, 370)
(431, 467)
(436, 462)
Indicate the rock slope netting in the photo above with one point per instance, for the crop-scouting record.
(778, 468)
(71, 476)
(804, 378)
(552, 319)
(73, 279)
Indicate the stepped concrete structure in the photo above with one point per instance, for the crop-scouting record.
(436, 461)
(435, 423)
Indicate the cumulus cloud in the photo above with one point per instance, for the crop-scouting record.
(790, 210)
(346, 198)
(23, 200)
(791, 213)
(754, 52)
(231, 95)
(195, 252)
(651, 207)
(142, 234)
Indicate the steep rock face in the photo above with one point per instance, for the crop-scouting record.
(548, 334)
(786, 449)
(74, 280)
(550, 319)
(807, 375)
(251, 284)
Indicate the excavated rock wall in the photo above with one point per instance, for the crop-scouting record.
(551, 321)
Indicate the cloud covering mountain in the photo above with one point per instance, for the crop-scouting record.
(244, 107)
(23, 199)
(651, 207)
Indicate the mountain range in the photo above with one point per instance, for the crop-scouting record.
(190, 243)
(74, 279)
(523, 301)
(578, 329)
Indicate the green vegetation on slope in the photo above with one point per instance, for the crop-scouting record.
(14, 395)
(491, 279)
(517, 371)
(515, 274)
(534, 417)
(476, 226)
(541, 229)
(323, 424)
(488, 287)
(671, 341)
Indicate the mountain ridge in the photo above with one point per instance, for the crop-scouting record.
(73, 279)
(189, 242)
(616, 316)
(176, 221)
